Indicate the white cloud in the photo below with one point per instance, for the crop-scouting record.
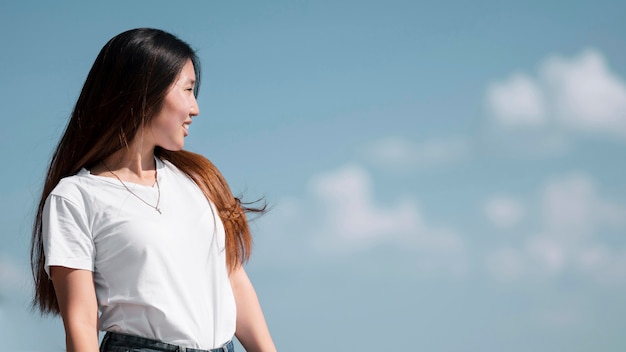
(9, 272)
(572, 207)
(585, 94)
(568, 205)
(400, 153)
(12, 276)
(605, 264)
(351, 220)
(579, 94)
(347, 196)
(503, 211)
(573, 219)
(517, 101)
(548, 254)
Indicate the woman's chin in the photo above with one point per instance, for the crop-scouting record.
(173, 148)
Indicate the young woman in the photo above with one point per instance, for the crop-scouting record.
(132, 226)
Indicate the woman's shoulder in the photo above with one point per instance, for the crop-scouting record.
(75, 187)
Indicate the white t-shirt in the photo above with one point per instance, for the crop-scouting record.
(160, 276)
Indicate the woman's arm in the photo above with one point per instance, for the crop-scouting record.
(252, 329)
(79, 309)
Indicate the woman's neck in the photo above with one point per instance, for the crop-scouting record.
(129, 165)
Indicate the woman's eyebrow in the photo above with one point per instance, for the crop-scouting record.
(188, 81)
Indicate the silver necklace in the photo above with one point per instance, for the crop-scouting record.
(156, 178)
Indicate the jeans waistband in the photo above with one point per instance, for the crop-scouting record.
(114, 339)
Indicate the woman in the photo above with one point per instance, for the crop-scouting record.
(132, 226)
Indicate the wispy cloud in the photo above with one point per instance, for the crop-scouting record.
(585, 94)
(575, 221)
(10, 272)
(517, 101)
(504, 211)
(400, 154)
(575, 94)
(352, 215)
(351, 220)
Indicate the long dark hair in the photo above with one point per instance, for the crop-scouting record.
(124, 90)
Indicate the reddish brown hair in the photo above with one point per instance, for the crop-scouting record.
(231, 210)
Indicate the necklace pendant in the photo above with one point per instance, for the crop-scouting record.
(158, 209)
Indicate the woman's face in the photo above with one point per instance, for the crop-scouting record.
(171, 125)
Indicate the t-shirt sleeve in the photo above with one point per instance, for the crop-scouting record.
(67, 238)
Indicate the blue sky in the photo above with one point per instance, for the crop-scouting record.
(444, 176)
